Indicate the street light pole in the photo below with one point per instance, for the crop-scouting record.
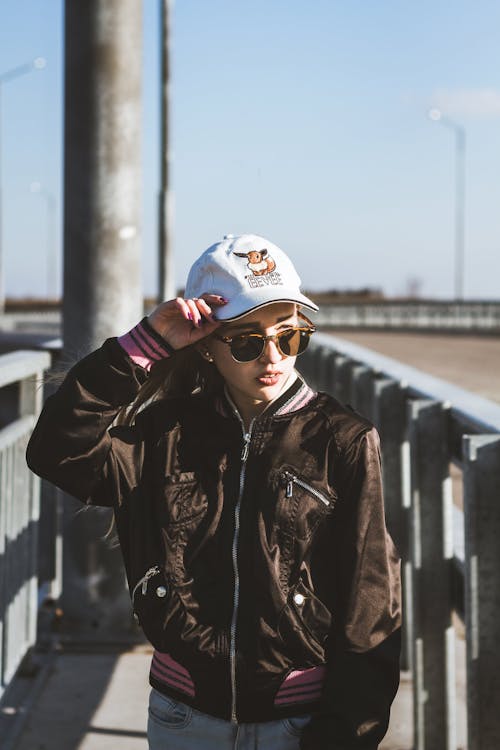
(20, 70)
(166, 287)
(459, 133)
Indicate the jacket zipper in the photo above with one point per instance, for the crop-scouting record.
(291, 479)
(232, 644)
(144, 581)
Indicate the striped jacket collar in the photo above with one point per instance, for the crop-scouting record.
(293, 397)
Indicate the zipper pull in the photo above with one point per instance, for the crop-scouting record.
(151, 572)
(289, 483)
(246, 446)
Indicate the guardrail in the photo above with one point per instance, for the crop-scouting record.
(20, 402)
(447, 532)
(430, 315)
(445, 316)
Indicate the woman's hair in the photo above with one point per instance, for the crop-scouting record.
(183, 374)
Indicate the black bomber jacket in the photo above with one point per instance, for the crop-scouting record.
(258, 563)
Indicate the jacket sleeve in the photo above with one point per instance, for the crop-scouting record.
(71, 445)
(364, 646)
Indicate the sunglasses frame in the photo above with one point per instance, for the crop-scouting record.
(310, 329)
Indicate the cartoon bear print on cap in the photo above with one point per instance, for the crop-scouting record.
(259, 262)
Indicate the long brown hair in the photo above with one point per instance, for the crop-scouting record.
(185, 373)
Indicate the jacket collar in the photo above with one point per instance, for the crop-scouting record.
(295, 395)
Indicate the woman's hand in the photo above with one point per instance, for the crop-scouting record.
(184, 321)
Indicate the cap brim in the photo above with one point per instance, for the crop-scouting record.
(242, 304)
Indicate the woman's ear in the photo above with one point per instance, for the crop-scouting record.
(204, 351)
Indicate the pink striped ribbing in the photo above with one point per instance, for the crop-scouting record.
(301, 686)
(171, 673)
(141, 347)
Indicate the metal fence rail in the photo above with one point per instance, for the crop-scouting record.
(20, 401)
(426, 426)
(426, 315)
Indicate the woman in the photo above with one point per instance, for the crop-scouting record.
(249, 511)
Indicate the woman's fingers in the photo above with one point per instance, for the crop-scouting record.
(205, 309)
(214, 299)
(182, 306)
(193, 309)
(183, 321)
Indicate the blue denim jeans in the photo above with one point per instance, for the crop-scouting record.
(174, 726)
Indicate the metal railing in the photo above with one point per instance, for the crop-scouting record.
(447, 532)
(425, 315)
(441, 316)
(20, 401)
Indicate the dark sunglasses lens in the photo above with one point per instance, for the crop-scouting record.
(246, 348)
(293, 342)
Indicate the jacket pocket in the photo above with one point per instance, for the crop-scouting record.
(302, 504)
(304, 624)
(184, 498)
(150, 601)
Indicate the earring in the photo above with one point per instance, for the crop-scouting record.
(208, 356)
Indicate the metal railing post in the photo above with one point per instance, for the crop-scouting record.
(481, 455)
(389, 416)
(432, 553)
(361, 398)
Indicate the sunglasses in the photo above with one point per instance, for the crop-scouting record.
(292, 341)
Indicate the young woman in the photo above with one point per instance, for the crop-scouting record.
(249, 511)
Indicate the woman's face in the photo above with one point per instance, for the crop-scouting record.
(255, 383)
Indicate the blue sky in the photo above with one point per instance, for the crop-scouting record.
(304, 122)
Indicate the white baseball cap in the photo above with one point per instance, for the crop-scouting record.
(249, 272)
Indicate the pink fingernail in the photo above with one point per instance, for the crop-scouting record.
(190, 316)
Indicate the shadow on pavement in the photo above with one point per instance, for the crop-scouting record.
(91, 701)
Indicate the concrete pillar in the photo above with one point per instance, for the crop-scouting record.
(432, 554)
(481, 455)
(102, 274)
(102, 175)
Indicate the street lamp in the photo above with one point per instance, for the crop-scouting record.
(38, 63)
(437, 116)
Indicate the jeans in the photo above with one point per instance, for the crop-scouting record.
(174, 726)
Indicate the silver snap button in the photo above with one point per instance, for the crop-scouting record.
(299, 599)
(161, 591)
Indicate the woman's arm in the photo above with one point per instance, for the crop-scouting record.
(363, 653)
(70, 445)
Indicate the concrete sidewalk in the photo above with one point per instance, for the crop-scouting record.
(97, 700)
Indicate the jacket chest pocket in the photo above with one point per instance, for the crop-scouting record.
(302, 504)
(184, 500)
(184, 519)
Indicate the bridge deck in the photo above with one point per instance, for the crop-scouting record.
(471, 362)
(94, 700)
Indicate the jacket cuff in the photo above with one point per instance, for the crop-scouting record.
(144, 345)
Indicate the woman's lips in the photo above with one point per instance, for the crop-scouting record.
(269, 378)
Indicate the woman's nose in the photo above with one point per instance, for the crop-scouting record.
(271, 352)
